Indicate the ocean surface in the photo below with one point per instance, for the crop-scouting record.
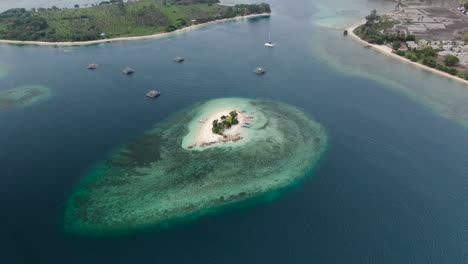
(391, 188)
(6, 4)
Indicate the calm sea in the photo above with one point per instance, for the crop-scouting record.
(392, 187)
(6, 4)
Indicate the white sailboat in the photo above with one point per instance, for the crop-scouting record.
(269, 43)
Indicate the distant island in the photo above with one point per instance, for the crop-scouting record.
(430, 37)
(116, 19)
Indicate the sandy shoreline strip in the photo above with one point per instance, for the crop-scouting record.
(203, 135)
(157, 35)
(388, 51)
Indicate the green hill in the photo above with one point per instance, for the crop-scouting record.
(115, 18)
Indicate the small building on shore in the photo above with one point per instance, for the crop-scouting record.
(403, 48)
(412, 45)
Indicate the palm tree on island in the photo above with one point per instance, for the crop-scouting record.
(225, 123)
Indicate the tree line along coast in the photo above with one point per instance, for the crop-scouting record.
(116, 18)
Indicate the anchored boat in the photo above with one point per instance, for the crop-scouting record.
(128, 71)
(269, 43)
(260, 70)
(153, 94)
(92, 66)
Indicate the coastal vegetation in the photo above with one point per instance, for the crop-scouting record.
(225, 123)
(428, 56)
(115, 18)
(451, 60)
(373, 30)
(376, 31)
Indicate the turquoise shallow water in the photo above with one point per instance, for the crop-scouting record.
(154, 181)
(391, 188)
(23, 96)
(3, 70)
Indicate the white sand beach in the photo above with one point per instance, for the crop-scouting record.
(204, 136)
(158, 35)
(388, 51)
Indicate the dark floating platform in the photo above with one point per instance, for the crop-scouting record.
(92, 66)
(179, 59)
(260, 71)
(128, 71)
(153, 94)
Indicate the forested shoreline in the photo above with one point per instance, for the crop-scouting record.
(115, 18)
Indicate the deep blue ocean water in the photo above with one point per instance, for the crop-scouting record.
(392, 187)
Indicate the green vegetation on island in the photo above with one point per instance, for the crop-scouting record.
(115, 18)
(225, 123)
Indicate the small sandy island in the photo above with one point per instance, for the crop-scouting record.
(203, 134)
(153, 182)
